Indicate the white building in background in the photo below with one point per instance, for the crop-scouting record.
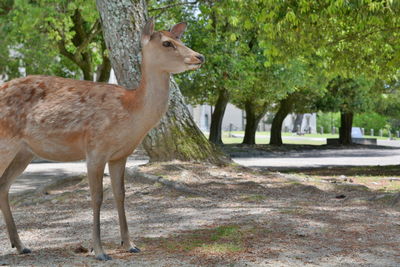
(233, 116)
(235, 120)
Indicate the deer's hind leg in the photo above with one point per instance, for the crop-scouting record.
(8, 174)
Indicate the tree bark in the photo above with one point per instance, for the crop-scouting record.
(285, 108)
(177, 136)
(252, 121)
(346, 123)
(218, 116)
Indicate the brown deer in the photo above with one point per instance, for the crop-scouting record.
(68, 120)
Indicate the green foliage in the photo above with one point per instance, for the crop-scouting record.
(327, 120)
(347, 95)
(228, 34)
(263, 51)
(368, 121)
(346, 38)
(371, 120)
(35, 32)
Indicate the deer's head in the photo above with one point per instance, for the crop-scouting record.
(166, 51)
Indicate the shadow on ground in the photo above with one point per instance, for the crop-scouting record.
(235, 216)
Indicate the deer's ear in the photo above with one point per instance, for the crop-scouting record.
(147, 31)
(178, 30)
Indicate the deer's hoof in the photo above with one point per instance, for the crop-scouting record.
(134, 250)
(26, 251)
(103, 257)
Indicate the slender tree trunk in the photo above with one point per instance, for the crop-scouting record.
(346, 123)
(297, 123)
(252, 121)
(285, 108)
(87, 71)
(177, 136)
(104, 70)
(217, 117)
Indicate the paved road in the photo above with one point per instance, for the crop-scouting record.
(324, 158)
(328, 157)
(38, 174)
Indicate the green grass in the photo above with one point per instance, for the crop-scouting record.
(286, 134)
(219, 240)
(265, 141)
(262, 138)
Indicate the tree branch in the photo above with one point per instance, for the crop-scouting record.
(96, 28)
(63, 51)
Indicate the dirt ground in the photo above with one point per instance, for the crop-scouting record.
(228, 216)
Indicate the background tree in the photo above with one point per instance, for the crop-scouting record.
(347, 38)
(269, 86)
(57, 38)
(52, 37)
(348, 96)
(387, 106)
(304, 84)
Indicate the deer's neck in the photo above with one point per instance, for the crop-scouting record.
(152, 95)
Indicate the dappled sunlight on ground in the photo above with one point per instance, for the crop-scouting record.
(232, 215)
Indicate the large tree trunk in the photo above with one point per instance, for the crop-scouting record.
(177, 136)
(217, 117)
(285, 108)
(252, 121)
(346, 123)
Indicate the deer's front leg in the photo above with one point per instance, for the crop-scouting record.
(117, 171)
(95, 169)
(16, 167)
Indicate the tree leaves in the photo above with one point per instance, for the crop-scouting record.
(40, 35)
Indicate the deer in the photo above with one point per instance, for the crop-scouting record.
(62, 119)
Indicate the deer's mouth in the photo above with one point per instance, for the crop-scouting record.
(194, 66)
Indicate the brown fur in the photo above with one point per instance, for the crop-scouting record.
(67, 120)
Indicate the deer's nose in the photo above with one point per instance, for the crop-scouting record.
(201, 58)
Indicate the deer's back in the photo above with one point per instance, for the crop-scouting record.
(63, 112)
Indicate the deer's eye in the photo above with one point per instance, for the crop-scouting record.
(167, 44)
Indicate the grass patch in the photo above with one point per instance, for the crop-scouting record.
(265, 141)
(221, 240)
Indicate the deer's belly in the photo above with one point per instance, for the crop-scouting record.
(73, 148)
(56, 149)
